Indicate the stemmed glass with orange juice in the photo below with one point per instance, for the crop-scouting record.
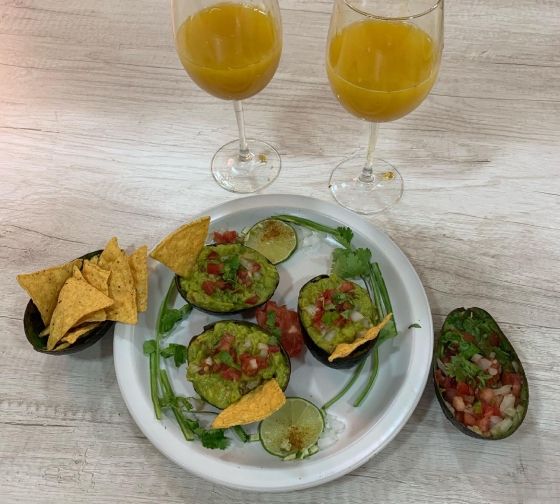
(383, 59)
(231, 49)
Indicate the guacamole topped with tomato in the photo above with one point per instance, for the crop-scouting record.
(232, 358)
(334, 310)
(228, 278)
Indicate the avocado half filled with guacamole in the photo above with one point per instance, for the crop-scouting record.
(231, 358)
(333, 311)
(229, 278)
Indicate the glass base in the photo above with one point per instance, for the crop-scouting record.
(246, 174)
(363, 195)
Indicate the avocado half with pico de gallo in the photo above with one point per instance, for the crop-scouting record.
(229, 278)
(334, 311)
(231, 358)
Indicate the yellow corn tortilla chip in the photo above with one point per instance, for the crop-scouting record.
(345, 349)
(96, 276)
(76, 300)
(99, 278)
(138, 262)
(45, 332)
(179, 250)
(252, 407)
(62, 346)
(44, 286)
(76, 332)
(121, 284)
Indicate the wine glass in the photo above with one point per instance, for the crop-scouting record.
(231, 49)
(383, 59)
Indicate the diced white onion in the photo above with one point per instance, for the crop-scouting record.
(492, 371)
(458, 403)
(252, 384)
(503, 426)
(262, 346)
(253, 364)
(508, 402)
(510, 412)
(208, 361)
(492, 355)
(193, 368)
(441, 365)
(330, 335)
(484, 364)
(311, 309)
(246, 344)
(257, 275)
(476, 358)
(495, 420)
(356, 316)
(505, 389)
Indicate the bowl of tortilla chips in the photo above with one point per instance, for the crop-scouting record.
(75, 304)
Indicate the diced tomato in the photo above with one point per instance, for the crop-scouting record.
(340, 322)
(225, 343)
(212, 256)
(484, 424)
(252, 300)
(273, 348)
(231, 374)
(494, 339)
(489, 410)
(214, 268)
(249, 364)
(440, 377)
(209, 287)
(514, 380)
(262, 362)
(223, 285)
(468, 337)
(469, 419)
(225, 237)
(450, 394)
(287, 321)
(254, 267)
(327, 296)
(464, 389)
(244, 277)
(460, 416)
(346, 287)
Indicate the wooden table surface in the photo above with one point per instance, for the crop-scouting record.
(102, 134)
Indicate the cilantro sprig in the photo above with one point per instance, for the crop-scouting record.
(161, 390)
(350, 262)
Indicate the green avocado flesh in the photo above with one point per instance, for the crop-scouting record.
(230, 277)
(218, 362)
(344, 316)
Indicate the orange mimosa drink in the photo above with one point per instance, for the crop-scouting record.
(230, 50)
(380, 70)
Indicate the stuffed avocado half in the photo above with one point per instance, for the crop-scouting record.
(231, 358)
(479, 380)
(333, 311)
(229, 278)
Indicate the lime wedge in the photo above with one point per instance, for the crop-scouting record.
(273, 238)
(293, 430)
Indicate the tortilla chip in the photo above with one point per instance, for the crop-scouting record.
(45, 332)
(121, 284)
(62, 346)
(252, 407)
(138, 262)
(179, 250)
(73, 334)
(94, 260)
(76, 300)
(98, 316)
(345, 349)
(95, 276)
(44, 286)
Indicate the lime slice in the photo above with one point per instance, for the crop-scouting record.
(293, 430)
(273, 238)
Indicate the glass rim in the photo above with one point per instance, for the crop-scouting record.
(436, 4)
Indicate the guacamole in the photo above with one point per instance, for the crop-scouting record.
(232, 358)
(333, 310)
(228, 278)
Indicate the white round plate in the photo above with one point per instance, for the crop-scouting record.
(403, 371)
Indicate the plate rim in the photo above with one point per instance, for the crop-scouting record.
(154, 430)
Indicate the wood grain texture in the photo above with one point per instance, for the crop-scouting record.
(101, 133)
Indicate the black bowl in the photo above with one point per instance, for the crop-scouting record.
(33, 325)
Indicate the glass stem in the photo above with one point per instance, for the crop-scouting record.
(367, 172)
(244, 152)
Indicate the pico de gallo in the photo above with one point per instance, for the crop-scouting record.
(232, 358)
(282, 323)
(478, 374)
(229, 277)
(333, 310)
